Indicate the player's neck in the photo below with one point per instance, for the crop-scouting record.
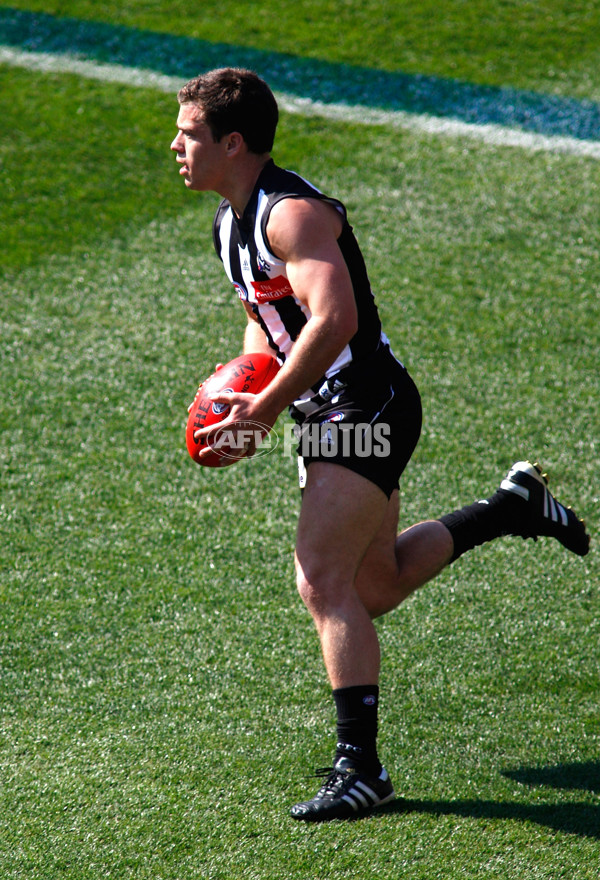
(241, 186)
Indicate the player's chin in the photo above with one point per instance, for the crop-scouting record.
(194, 184)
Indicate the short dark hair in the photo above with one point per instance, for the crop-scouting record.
(234, 99)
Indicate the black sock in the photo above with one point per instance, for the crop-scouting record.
(483, 521)
(357, 725)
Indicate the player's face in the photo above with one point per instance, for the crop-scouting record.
(201, 159)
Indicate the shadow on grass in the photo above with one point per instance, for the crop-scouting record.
(582, 819)
(583, 777)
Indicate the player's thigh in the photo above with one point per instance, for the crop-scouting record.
(340, 516)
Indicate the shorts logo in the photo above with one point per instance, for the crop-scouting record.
(219, 408)
(334, 417)
(274, 288)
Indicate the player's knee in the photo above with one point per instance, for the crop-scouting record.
(307, 589)
(317, 590)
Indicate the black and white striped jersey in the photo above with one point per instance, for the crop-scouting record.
(260, 277)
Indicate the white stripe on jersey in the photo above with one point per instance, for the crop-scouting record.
(244, 258)
(342, 360)
(225, 233)
(261, 244)
(272, 319)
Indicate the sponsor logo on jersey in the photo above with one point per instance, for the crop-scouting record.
(274, 288)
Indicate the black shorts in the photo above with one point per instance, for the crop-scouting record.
(371, 424)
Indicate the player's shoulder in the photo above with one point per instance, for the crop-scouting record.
(302, 223)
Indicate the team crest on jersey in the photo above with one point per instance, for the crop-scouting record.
(262, 264)
(241, 291)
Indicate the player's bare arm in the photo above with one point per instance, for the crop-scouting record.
(304, 233)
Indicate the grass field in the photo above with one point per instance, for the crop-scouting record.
(161, 690)
(550, 45)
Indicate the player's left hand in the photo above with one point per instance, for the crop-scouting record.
(246, 414)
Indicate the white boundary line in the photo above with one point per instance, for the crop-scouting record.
(496, 135)
(47, 62)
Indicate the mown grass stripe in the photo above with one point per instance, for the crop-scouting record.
(491, 134)
(311, 79)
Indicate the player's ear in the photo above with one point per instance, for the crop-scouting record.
(233, 143)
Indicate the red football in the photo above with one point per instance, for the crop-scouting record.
(249, 373)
